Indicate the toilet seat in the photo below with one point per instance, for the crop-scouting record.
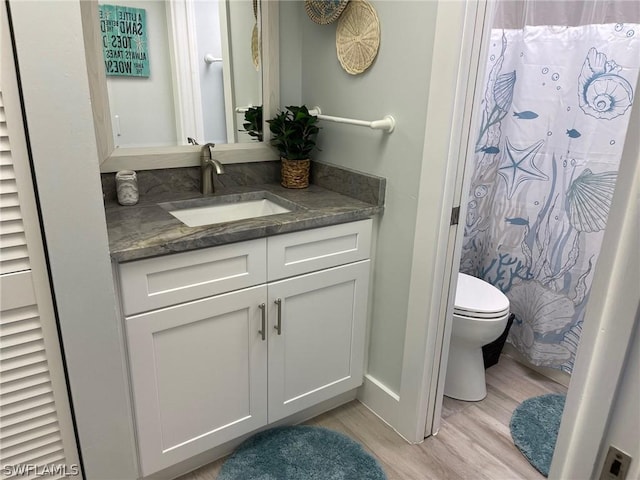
(476, 298)
(480, 316)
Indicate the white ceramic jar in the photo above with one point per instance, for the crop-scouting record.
(127, 187)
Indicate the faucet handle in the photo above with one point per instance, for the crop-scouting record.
(206, 151)
(191, 141)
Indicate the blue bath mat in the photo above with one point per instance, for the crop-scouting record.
(300, 453)
(534, 429)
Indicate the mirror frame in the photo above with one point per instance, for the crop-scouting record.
(150, 158)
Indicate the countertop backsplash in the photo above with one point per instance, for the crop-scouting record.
(368, 188)
(187, 179)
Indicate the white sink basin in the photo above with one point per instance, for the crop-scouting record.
(227, 212)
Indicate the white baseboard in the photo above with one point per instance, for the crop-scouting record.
(381, 400)
(558, 376)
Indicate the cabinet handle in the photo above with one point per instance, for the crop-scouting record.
(278, 325)
(263, 332)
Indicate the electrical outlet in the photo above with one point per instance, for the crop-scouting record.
(616, 465)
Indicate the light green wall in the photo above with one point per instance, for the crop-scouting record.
(290, 53)
(397, 84)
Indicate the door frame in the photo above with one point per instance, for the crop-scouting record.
(460, 27)
(611, 315)
(461, 154)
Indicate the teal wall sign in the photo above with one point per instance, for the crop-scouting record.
(124, 41)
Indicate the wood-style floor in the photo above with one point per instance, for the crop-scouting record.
(474, 441)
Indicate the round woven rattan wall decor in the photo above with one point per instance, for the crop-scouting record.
(255, 46)
(324, 11)
(357, 36)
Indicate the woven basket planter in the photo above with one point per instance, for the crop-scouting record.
(295, 173)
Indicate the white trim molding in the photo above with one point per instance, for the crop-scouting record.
(611, 316)
(426, 338)
(227, 74)
(380, 399)
(149, 158)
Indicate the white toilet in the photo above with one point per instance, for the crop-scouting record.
(480, 316)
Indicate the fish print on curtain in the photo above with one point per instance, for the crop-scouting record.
(554, 118)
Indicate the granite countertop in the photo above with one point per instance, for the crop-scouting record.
(147, 229)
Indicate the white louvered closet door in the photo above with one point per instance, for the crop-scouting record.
(36, 429)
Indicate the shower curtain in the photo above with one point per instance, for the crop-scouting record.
(555, 112)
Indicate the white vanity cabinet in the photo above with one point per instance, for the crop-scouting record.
(225, 340)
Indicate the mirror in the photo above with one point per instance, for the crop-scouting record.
(143, 122)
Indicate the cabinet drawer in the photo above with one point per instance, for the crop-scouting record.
(310, 250)
(159, 282)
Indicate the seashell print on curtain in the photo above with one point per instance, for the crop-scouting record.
(555, 113)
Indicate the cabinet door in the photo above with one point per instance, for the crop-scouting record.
(319, 352)
(199, 376)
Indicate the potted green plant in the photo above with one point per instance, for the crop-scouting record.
(293, 133)
(253, 122)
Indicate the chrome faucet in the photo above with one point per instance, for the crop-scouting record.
(208, 164)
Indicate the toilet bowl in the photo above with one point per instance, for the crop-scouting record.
(480, 316)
